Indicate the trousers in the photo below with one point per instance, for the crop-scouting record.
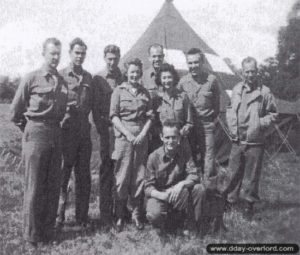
(245, 163)
(106, 172)
(129, 173)
(76, 151)
(158, 210)
(202, 140)
(42, 156)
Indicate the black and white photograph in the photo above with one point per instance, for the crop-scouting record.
(149, 127)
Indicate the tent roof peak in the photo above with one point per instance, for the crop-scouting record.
(169, 29)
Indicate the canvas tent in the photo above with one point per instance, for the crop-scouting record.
(170, 30)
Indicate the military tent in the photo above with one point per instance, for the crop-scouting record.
(170, 30)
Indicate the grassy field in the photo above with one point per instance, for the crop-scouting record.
(277, 218)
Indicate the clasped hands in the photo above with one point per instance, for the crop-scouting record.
(171, 194)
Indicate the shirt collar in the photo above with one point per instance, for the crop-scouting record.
(248, 89)
(203, 78)
(175, 94)
(48, 71)
(189, 77)
(124, 85)
(114, 74)
(71, 70)
(151, 72)
(166, 157)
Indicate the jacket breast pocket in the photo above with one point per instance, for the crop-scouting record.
(141, 104)
(42, 98)
(126, 104)
(163, 114)
(204, 100)
(179, 111)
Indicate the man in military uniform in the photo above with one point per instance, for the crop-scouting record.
(76, 141)
(104, 83)
(37, 109)
(203, 91)
(171, 178)
(252, 111)
(156, 58)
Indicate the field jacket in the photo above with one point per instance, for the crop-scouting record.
(261, 109)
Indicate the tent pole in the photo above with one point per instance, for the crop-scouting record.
(284, 138)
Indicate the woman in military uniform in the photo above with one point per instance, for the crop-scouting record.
(131, 113)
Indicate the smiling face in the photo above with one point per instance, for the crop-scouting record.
(156, 57)
(194, 63)
(167, 80)
(77, 55)
(171, 138)
(134, 74)
(52, 55)
(112, 61)
(250, 72)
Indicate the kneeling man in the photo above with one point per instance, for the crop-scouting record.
(172, 179)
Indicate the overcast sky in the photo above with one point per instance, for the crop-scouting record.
(233, 28)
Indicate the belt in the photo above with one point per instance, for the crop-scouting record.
(133, 123)
(206, 118)
(45, 121)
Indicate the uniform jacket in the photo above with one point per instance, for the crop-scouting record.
(41, 95)
(133, 110)
(204, 96)
(164, 172)
(80, 98)
(104, 83)
(261, 111)
(177, 107)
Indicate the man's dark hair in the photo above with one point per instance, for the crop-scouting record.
(194, 51)
(51, 40)
(170, 123)
(165, 67)
(111, 48)
(155, 45)
(77, 41)
(249, 60)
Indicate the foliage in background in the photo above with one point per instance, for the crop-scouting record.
(289, 39)
(8, 87)
(281, 73)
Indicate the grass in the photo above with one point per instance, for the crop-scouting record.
(277, 218)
